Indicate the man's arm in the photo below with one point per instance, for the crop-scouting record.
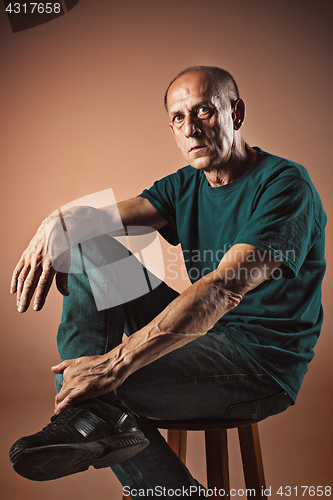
(35, 271)
(189, 316)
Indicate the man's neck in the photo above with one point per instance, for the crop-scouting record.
(242, 160)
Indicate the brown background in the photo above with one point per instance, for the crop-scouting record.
(81, 110)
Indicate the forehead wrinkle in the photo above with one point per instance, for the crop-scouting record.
(200, 89)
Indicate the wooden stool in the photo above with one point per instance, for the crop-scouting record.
(217, 451)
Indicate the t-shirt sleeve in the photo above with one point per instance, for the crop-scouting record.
(283, 222)
(162, 196)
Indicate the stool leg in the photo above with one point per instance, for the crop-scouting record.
(217, 461)
(252, 460)
(177, 442)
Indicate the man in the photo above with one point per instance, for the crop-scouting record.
(235, 344)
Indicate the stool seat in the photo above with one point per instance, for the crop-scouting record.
(202, 424)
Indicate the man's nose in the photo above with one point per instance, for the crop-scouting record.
(191, 126)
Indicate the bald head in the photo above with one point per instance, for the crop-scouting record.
(222, 81)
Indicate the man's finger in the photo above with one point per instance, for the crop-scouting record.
(68, 396)
(26, 288)
(62, 283)
(61, 367)
(16, 272)
(21, 283)
(43, 287)
(63, 400)
(71, 396)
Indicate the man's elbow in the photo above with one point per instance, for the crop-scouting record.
(233, 298)
(228, 296)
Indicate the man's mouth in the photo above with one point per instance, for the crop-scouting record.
(197, 148)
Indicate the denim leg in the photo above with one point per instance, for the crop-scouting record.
(157, 467)
(86, 331)
(209, 377)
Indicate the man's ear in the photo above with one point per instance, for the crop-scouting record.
(173, 133)
(238, 113)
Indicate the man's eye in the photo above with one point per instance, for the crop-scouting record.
(203, 110)
(178, 118)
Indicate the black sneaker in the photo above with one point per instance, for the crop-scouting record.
(90, 433)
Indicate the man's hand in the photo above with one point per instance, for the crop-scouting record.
(34, 271)
(88, 377)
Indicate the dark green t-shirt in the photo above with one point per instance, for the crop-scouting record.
(275, 208)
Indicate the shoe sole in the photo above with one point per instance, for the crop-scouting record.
(45, 463)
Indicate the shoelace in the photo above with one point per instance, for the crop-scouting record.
(58, 418)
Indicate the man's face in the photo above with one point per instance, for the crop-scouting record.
(201, 121)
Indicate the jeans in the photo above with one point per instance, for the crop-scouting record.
(210, 377)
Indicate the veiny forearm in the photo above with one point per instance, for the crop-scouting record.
(198, 308)
(189, 316)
